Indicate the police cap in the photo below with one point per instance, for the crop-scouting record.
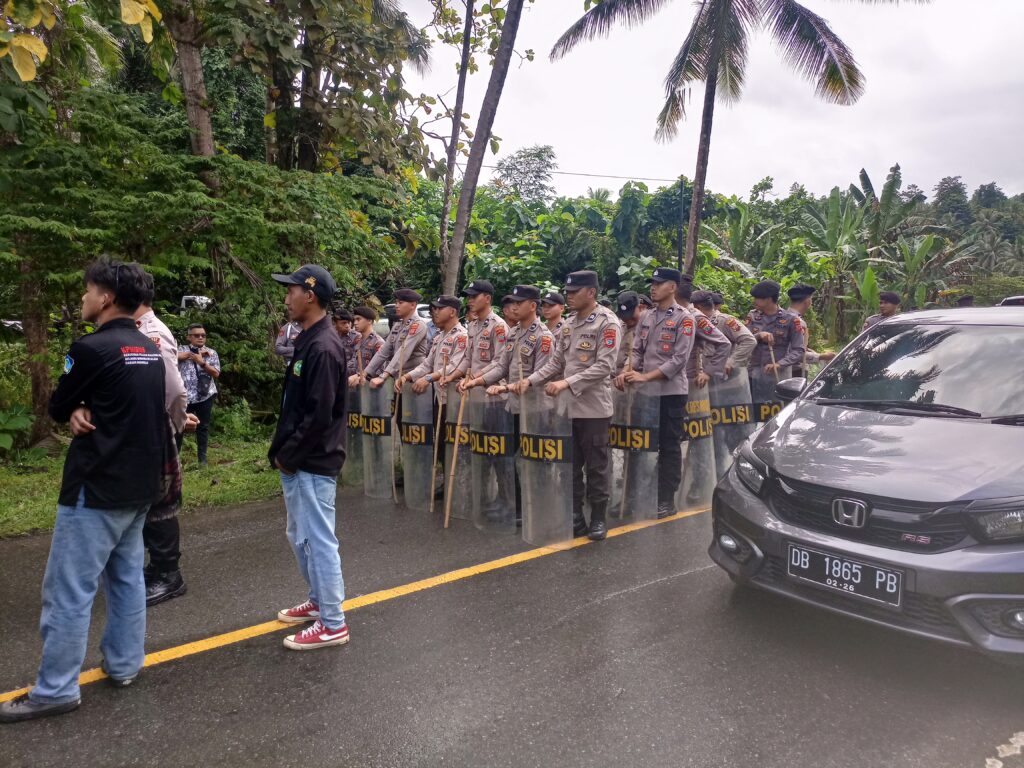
(585, 278)
(626, 304)
(551, 297)
(666, 275)
(311, 277)
(447, 301)
(606, 303)
(800, 291)
(647, 301)
(478, 287)
(766, 289)
(407, 294)
(523, 293)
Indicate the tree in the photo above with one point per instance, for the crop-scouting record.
(481, 140)
(526, 174)
(715, 53)
(988, 196)
(950, 201)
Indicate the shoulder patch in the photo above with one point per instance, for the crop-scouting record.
(462, 342)
(499, 332)
(733, 323)
(545, 345)
(155, 340)
(609, 336)
(413, 328)
(69, 363)
(688, 326)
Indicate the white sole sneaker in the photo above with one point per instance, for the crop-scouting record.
(282, 616)
(289, 642)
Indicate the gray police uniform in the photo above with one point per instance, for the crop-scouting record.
(873, 320)
(711, 348)
(584, 356)
(486, 339)
(526, 350)
(349, 342)
(365, 350)
(784, 326)
(447, 346)
(742, 340)
(405, 348)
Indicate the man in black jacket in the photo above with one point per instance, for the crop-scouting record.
(309, 449)
(112, 393)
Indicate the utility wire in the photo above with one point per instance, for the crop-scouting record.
(601, 175)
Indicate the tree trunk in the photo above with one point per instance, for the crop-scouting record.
(481, 139)
(703, 152)
(34, 325)
(186, 29)
(460, 99)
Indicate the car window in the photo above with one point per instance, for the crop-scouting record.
(974, 367)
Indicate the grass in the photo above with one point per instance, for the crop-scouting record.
(238, 472)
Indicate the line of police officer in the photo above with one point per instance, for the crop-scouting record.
(662, 345)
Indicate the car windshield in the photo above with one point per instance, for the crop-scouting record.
(972, 367)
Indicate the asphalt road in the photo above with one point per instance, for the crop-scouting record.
(633, 652)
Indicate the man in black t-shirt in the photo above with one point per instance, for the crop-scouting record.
(112, 393)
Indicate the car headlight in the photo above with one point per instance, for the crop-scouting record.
(749, 474)
(1001, 524)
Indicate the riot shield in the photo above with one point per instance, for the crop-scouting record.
(732, 416)
(352, 469)
(545, 467)
(375, 419)
(458, 486)
(762, 392)
(492, 462)
(699, 477)
(634, 436)
(417, 434)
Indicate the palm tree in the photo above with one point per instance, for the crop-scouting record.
(715, 53)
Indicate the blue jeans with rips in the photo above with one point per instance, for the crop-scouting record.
(309, 500)
(91, 546)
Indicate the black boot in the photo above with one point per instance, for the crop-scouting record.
(579, 523)
(164, 586)
(598, 530)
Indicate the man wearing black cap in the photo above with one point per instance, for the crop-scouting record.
(406, 345)
(628, 308)
(778, 337)
(486, 330)
(527, 348)
(739, 337)
(551, 308)
(446, 351)
(309, 449)
(369, 343)
(583, 363)
(888, 304)
(800, 302)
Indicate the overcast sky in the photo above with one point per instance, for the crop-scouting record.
(945, 97)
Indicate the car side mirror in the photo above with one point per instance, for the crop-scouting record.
(788, 390)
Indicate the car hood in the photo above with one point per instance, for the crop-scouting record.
(913, 458)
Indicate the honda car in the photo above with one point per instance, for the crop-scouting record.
(891, 488)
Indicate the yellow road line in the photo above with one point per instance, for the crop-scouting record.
(238, 635)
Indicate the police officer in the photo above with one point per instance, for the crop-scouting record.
(349, 337)
(742, 340)
(800, 302)
(406, 345)
(778, 333)
(888, 304)
(369, 343)
(551, 308)
(486, 330)
(583, 362)
(629, 309)
(711, 348)
(446, 351)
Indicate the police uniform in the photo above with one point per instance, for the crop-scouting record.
(350, 342)
(486, 338)
(446, 352)
(406, 346)
(625, 307)
(873, 320)
(742, 340)
(584, 356)
(526, 350)
(364, 351)
(786, 329)
(555, 298)
(711, 348)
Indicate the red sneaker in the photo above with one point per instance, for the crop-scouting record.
(307, 611)
(316, 635)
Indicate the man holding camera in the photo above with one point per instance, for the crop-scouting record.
(199, 367)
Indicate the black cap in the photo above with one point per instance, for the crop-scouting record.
(800, 291)
(583, 279)
(647, 301)
(364, 311)
(407, 294)
(702, 297)
(453, 302)
(340, 313)
(716, 297)
(523, 293)
(666, 275)
(551, 297)
(311, 277)
(477, 287)
(766, 289)
(626, 303)
(889, 297)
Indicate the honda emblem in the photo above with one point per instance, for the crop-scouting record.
(850, 512)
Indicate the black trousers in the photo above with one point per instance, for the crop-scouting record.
(670, 451)
(590, 454)
(163, 540)
(204, 412)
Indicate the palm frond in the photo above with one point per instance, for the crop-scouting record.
(810, 46)
(390, 13)
(739, 18)
(599, 20)
(671, 115)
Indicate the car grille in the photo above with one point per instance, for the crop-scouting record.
(919, 612)
(908, 526)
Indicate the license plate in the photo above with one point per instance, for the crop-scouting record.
(851, 577)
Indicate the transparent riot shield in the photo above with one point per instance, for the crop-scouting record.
(634, 436)
(417, 435)
(493, 462)
(545, 467)
(375, 419)
(732, 416)
(458, 490)
(699, 476)
(762, 392)
(352, 469)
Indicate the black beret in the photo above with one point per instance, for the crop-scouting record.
(717, 298)
(766, 289)
(366, 312)
(800, 291)
(340, 313)
(407, 294)
(702, 297)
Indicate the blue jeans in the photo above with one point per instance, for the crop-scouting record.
(90, 546)
(309, 500)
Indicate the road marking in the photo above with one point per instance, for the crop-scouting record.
(382, 596)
